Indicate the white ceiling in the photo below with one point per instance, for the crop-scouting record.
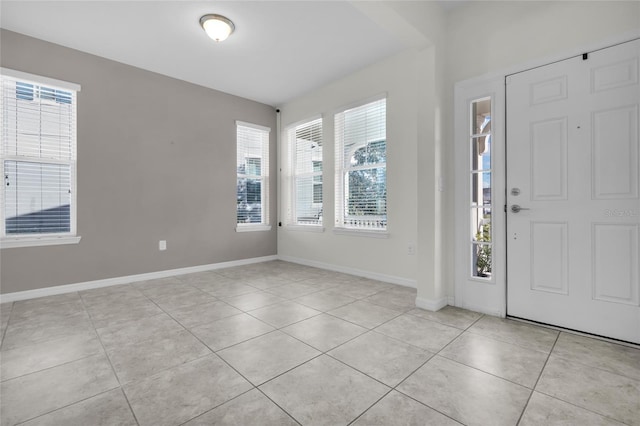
(280, 49)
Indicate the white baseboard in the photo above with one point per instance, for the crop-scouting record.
(406, 282)
(432, 304)
(88, 285)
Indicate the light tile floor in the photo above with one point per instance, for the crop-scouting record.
(283, 344)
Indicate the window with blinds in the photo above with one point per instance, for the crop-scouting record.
(252, 167)
(361, 167)
(305, 165)
(37, 156)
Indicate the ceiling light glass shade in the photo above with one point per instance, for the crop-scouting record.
(217, 26)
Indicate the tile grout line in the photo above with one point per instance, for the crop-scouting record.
(214, 353)
(317, 356)
(69, 405)
(584, 365)
(537, 380)
(4, 332)
(106, 355)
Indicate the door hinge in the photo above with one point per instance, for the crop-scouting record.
(505, 208)
(585, 56)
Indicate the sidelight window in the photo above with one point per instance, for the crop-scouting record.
(480, 181)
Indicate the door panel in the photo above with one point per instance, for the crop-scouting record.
(615, 160)
(615, 263)
(549, 159)
(573, 155)
(549, 257)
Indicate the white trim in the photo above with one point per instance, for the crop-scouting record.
(361, 232)
(252, 228)
(479, 294)
(361, 102)
(392, 279)
(253, 126)
(299, 122)
(40, 80)
(304, 228)
(474, 85)
(432, 304)
(39, 241)
(88, 285)
(539, 62)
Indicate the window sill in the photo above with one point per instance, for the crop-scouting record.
(305, 228)
(253, 228)
(370, 233)
(37, 241)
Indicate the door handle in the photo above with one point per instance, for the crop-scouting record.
(516, 208)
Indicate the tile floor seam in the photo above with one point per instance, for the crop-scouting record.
(54, 366)
(428, 406)
(594, 367)
(572, 403)
(524, 409)
(360, 325)
(241, 342)
(505, 340)
(438, 354)
(217, 406)
(579, 407)
(395, 388)
(286, 325)
(373, 330)
(369, 407)
(4, 332)
(328, 350)
(162, 370)
(285, 372)
(278, 405)
(126, 398)
(199, 325)
(487, 372)
(66, 406)
(368, 375)
(474, 322)
(104, 349)
(214, 353)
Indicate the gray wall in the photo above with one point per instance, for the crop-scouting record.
(156, 160)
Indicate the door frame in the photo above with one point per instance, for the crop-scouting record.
(492, 298)
(479, 294)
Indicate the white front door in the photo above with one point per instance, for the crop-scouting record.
(573, 206)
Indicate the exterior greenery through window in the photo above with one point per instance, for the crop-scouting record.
(252, 168)
(361, 167)
(38, 157)
(305, 164)
(481, 189)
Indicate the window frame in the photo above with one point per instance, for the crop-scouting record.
(342, 173)
(41, 239)
(264, 224)
(292, 218)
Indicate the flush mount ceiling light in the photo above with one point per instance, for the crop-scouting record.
(217, 27)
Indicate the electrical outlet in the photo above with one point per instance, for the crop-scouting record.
(162, 245)
(411, 249)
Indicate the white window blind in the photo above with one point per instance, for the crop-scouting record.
(361, 167)
(305, 165)
(252, 166)
(37, 156)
